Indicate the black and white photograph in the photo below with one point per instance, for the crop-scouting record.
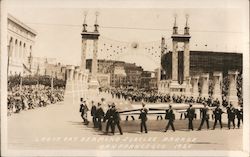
(125, 78)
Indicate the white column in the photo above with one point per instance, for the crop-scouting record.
(188, 91)
(20, 50)
(205, 84)
(16, 49)
(70, 72)
(186, 60)
(175, 62)
(76, 71)
(217, 90)
(83, 56)
(80, 76)
(24, 51)
(94, 61)
(11, 49)
(195, 90)
(232, 90)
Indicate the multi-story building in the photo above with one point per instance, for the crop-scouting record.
(203, 62)
(121, 74)
(55, 70)
(134, 73)
(21, 40)
(148, 80)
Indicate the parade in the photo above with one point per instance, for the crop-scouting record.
(124, 79)
(211, 110)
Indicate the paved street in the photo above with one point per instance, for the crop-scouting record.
(59, 126)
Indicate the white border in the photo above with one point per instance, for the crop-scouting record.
(244, 4)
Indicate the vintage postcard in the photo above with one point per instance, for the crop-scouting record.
(124, 78)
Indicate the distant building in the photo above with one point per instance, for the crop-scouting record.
(148, 80)
(55, 70)
(203, 62)
(21, 40)
(121, 74)
(133, 77)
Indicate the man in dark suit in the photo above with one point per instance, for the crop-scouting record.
(171, 117)
(93, 114)
(83, 110)
(217, 114)
(108, 117)
(231, 116)
(239, 115)
(204, 116)
(99, 116)
(143, 117)
(115, 120)
(190, 116)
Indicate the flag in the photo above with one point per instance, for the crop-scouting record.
(26, 69)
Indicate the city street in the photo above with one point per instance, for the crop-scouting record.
(59, 126)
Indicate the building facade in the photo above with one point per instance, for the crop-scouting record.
(55, 70)
(149, 79)
(203, 62)
(121, 74)
(21, 40)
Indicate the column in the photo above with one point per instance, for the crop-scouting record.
(80, 83)
(76, 71)
(188, 92)
(10, 55)
(186, 60)
(217, 91)
(80, 76)
(195, 91)
(70, 72)
(232, 89)
(24, 51)
(83, 56)
(16, 49)
(20, 50)
(175, 62)
(204, 88)
(94, 82)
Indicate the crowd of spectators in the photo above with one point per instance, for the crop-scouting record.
(28, 97)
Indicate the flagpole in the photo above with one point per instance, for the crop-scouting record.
(21, 82)
(52, 84)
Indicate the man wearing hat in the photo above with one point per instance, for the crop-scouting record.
(143, 117)
(99, 116)
(84, 109)
(115, 119)
(217, 115)
(93, 114)
(231, 115)
(190, 116)
(204, 116)
(108, 117)
(171, 117)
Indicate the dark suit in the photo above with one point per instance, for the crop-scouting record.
(116, 121)
(144, 118)
(239, 115)
(217, 114)
(190, 116)
(99, 115)
(108, 117)
(231, 117)
(93, 114)
(171, 117)
(204, 117)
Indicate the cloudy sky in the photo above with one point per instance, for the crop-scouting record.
(220, 26)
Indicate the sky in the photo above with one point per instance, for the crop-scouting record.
(59, 29)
